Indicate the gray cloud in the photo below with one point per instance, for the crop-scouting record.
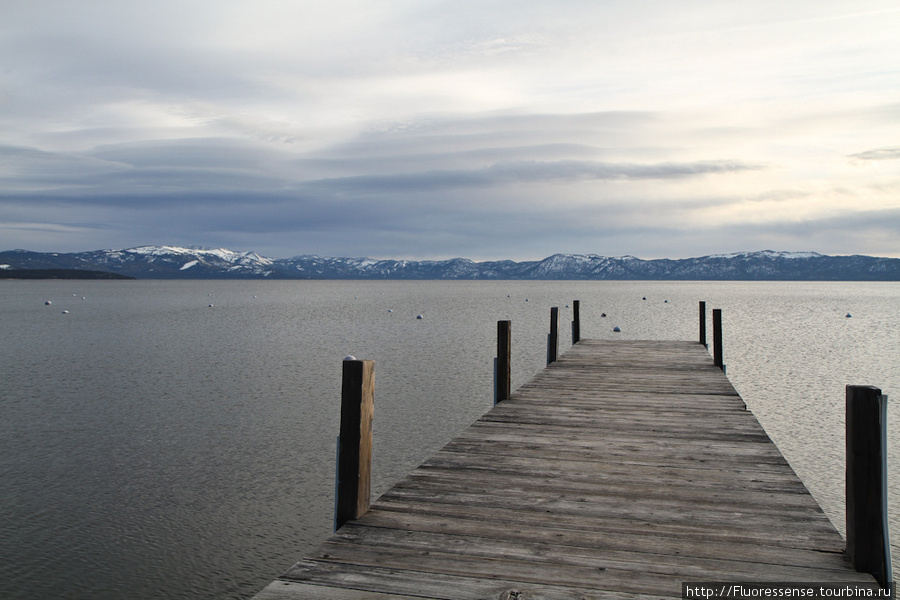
(204, 165)
(525, 172)
(878, 154)
(221, 192)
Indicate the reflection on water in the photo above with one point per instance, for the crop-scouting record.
(156, 446)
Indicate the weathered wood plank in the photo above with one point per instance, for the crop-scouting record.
(500, 483)
(779, 479)
(636, 538)
(562, 552)
(394, 582)
(291, 590)
(817, 535)
(621, 470)
(710, 513)
(623, 453)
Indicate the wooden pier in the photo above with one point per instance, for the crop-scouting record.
(622, 470)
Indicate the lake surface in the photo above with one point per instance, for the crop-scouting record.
(154, 446)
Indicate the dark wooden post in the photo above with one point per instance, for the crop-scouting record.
(576, 321)
(868, 546)
(553, 337)
(703, 324)
(354, 470)
(717, 338)
(502, 364)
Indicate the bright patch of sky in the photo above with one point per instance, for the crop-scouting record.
(434, 129)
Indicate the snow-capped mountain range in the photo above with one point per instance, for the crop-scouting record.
(172, 262)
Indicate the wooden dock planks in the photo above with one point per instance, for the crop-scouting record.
(620, 471)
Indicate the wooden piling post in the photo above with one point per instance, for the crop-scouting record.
(502, 367)
(576, 321)
(354, 469)
(553, 337)
(703, 324)
(717, 338)
(868, 545)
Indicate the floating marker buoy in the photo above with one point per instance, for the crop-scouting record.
(349, 357)
(616, 329)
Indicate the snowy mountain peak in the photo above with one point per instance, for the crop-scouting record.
(771, 254)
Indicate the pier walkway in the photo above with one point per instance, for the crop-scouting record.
(620, 471)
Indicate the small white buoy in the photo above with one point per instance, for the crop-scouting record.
(65, 312)
(349, 357)
(47, 303)
(616, 329)
(419, 317)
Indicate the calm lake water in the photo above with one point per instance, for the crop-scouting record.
(154, 446)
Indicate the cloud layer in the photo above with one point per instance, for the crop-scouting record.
(436, 129)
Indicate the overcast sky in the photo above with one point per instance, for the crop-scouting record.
(435, 129)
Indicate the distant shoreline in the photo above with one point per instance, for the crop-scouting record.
(171, 262)
(60, 274)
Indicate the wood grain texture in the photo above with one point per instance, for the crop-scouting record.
(620, 471)
(504, 362)
(868, 547)
(355, 447)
